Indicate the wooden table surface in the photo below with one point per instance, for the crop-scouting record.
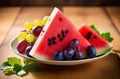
(106, 19)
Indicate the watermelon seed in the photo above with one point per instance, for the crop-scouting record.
(63, 35)
(95, 37)
(62, 32)
(53, 38)
(89, 35)
(60, 19)
(61, 39)
(49, 39)
(49, 44)
(58, 35)
(54, 42)
(66, 31)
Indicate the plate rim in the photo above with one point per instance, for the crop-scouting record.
(53, 62)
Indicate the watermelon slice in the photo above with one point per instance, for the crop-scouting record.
(102, 46)
(56, 36)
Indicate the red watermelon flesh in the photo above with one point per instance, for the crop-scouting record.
(53, 32)
(102, 46)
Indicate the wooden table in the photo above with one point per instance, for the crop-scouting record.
(105, 19)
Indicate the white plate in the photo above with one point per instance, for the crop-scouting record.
(52, 62)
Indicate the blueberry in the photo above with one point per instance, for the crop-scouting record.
(74, 43)
(69, 52)
(58, 56)
(91, 51)
(78, 55)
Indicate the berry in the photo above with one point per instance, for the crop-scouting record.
(27, 50)
(22, 35)
(28, 25)
(45, 19)
(30, 38)
(91, 51)
(38, 22)
(21, 46)
(69, 52)
(36, 30)
(78, 55)
(74, 43)
(58, 56)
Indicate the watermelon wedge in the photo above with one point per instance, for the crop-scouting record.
(55, 36)
(102, 46)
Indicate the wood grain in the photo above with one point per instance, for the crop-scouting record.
(114, 13)
(26, 14)
(7, 18)
(106, 68)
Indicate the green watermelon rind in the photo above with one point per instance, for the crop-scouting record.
(102, 52)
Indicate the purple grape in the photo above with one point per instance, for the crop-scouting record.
(74, 43)
(58, 56)
(21, 46)
(28, 50)
(69, 52)
(78, 55)
(91, 51)
(36, 30)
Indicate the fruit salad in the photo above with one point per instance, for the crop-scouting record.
(56, 38)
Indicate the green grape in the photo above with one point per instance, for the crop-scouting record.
(30, 38)
(28, 25)
(38, 22)
(45, 19)
(22, 35)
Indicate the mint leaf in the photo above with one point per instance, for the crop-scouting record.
(107, 36)
(6, 64)
(14, 66)
(27, 62)
(17, 68)
(8, 71)
(34, 67)
(94, 28)
(13, 60)
(31, 66)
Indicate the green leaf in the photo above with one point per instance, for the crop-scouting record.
(95, 29)
(34, 67)
(8, 71)
(6, 64)
(17, 68)
(13, 60)
(27, 62)
(31, 66)
(14, 66)
(107, 36)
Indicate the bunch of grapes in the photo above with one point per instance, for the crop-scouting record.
(28, 36)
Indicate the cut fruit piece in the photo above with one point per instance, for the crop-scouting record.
(56, 36)
(102, 46)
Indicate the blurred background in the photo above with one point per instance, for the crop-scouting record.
(60, 3)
